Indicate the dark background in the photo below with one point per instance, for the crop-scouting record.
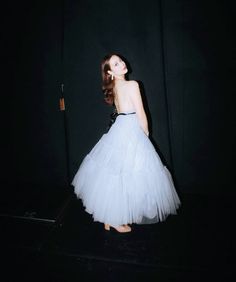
(181, 52)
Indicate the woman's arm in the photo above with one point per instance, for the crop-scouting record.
(136, 99)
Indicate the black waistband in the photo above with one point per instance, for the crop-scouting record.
(126, 113)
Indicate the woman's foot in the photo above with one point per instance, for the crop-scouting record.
(122, 228)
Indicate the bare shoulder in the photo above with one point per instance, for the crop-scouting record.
(132, 86)
(132, 83)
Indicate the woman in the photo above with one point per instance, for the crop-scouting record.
(122, 180)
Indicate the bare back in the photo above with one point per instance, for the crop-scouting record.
(123, 100)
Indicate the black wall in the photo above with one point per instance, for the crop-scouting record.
(35, 135)
(91, 31)
(199, 48)
(181, 52)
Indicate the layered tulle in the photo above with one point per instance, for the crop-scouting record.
(122, 179)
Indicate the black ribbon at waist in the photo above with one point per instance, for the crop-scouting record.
(114, 115)
(126, 113)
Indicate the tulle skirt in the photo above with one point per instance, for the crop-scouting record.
(122, 180)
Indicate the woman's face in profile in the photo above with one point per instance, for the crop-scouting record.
(118, 66)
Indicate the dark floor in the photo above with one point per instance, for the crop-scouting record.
(198, 244)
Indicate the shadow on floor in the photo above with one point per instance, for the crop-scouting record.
(198, 244)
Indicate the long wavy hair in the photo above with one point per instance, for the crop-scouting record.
(107, 83)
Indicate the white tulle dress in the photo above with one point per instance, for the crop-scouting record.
(122, 179)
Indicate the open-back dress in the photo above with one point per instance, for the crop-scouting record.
(122, 180)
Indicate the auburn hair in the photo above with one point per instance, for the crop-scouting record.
(107, 83)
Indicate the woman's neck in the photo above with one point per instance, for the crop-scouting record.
(120, 78)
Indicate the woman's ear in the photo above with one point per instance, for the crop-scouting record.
(109, 72)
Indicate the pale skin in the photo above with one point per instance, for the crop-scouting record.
(127, 93)
(127, 98)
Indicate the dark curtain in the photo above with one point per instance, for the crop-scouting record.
(181, 53)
